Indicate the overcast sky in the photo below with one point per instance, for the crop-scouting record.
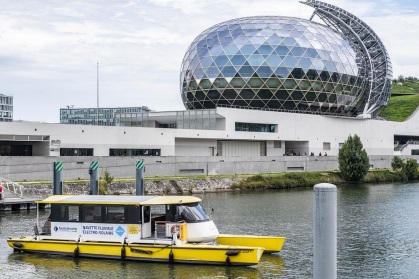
(49, 49)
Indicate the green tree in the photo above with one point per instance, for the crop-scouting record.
(397, 163)
(105, 183)
(411, 169)
(353, 159)
(401, 78)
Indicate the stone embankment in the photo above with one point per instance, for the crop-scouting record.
(156, 187)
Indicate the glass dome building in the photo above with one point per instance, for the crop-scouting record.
(279, 63)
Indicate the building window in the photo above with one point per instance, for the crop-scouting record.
(340, 145)
(76, 151)
(415, 151)
(134, 152)
(196, 119)
(256, 127)
(15, 150)
(326, 145)
(277, 144)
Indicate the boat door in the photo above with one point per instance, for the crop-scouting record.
(146, 222)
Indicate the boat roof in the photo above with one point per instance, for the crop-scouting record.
(118, 199)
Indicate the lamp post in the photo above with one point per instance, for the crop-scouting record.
(97, 93)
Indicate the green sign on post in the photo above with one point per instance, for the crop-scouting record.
(59, 166)
(140, 165)
(94, 165)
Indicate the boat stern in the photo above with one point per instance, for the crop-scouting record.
(271, 244)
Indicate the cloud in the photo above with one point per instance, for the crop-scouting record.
(49, 49)
(188, 7)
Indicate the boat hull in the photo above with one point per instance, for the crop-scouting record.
(165, 253)
(271, 244)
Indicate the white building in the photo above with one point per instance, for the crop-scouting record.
(6, 108)
(223, 132)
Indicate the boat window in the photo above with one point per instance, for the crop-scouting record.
(146, 214)
(92, 213)
(69, 213)
(172, 213)
(64, 213)
(193, 213)
(115, 214)
(133, 214)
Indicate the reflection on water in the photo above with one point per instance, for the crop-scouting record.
(378, 234)
(48, 266)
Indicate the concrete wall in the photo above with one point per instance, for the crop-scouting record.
(193, 147)
(40, 168)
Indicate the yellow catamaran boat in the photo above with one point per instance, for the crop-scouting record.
(173, 229)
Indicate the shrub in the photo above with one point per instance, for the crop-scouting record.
(105, 183)
(411, 169)
(397, 163)
(353, 160)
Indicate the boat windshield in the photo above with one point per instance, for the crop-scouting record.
(193, 213)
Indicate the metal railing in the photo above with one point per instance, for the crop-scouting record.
(400, 148)
(11, 186)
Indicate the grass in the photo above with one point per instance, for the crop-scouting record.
(407, 87)
(288, 180)
(400, 107)
(309, 179)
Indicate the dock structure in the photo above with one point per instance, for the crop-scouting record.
(18, 204)
(13, 197)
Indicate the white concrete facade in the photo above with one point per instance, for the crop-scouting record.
(296, 132)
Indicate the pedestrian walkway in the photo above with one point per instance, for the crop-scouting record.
(13, 198)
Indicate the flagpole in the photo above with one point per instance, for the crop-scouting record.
(97, 88)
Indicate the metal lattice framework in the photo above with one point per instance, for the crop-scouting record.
(273, 63)
(373, 57)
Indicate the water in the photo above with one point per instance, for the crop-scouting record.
(378, 232)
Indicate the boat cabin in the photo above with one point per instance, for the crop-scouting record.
(128, 218)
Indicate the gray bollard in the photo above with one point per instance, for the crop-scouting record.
(94, 178)
(139, 178)
(57, 188)
(325, 226)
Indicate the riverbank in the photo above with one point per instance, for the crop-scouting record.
(309, 179)
(201, 184)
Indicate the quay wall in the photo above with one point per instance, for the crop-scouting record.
(39, 168)
(153, 187)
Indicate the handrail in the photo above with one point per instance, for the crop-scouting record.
(11, 186)
(407, 143)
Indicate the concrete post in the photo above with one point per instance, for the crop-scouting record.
(57, 188)
(94, 178)
(325, 226)
(139, 178)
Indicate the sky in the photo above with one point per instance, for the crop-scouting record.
(49, 49)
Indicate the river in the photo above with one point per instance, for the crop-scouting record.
(378, 237)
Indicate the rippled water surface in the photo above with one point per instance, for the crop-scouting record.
(378, 237)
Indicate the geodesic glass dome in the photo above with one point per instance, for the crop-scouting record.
(278, 63)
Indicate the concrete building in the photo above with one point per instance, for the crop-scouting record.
(237, 132)
(6, 108)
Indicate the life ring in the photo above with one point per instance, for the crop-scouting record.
(174, 231)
